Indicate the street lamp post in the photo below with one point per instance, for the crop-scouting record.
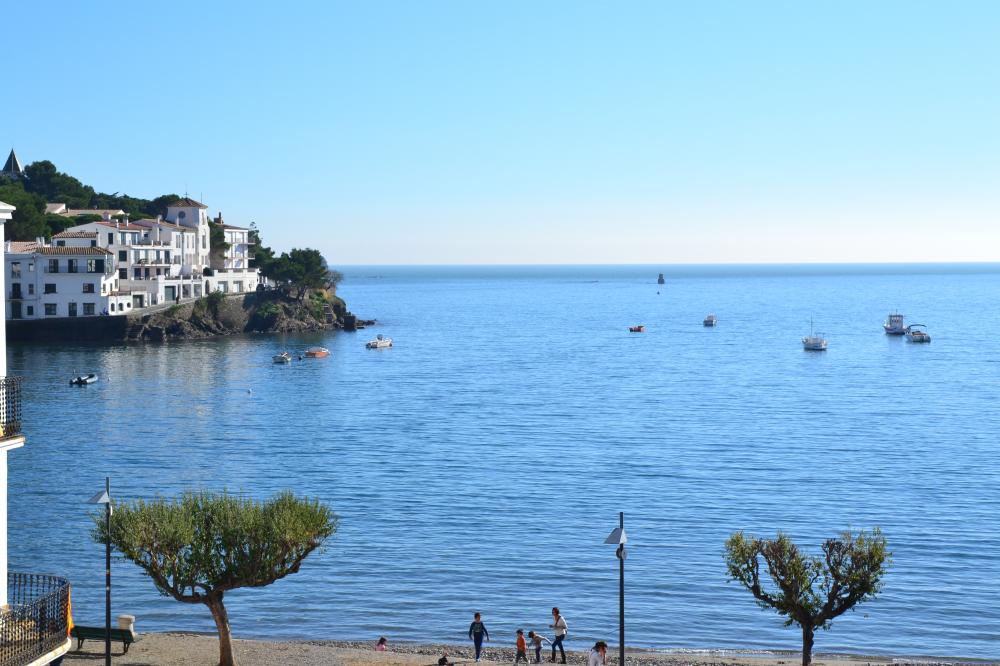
(104, 497)
(618, 538)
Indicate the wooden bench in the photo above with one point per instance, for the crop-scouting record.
(81, 634)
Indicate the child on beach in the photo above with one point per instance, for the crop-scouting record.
(522, 648)
(381, 645)
(477, 632)
(443, 661)
(536, 641)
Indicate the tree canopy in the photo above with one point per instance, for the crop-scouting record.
(43, 183)
(300, 269)
(201, 545)
(810, 591)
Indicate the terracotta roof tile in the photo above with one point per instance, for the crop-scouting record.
(76, 234)
(187, 202)
(69, 251)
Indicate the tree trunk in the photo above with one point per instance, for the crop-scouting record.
(221, 618)
(807, 644)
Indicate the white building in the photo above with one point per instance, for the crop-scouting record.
(32, 605)
(231, 267)
(60, 281)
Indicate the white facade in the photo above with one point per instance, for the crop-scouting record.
(231, 269)
(6, 444)
(45, 281)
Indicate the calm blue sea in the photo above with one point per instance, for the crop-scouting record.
(480, 463)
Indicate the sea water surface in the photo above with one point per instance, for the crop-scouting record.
(480, 463)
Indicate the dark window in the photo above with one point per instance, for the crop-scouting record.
(93, 243)
(71, 265)
(50, 309)
(53, 265)
(88, 309)
(15, 269)
(123, 273)
(122, 255)
(30, 310)
(15, 290)
(50, 288)
(31, 289)
(72, 309)
(60, 243)
(88, 287)
(95, 265)
(111, 238)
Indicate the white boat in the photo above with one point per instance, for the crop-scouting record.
(894, 324)
(283, 357)
(710, 320)
(380, 342)
(814, 341)
(83, 380)
(916, 333)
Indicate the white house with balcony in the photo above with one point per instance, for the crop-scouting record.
(34, 608)
(231, 269)
(59, 281)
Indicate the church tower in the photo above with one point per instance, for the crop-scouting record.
(12, 167)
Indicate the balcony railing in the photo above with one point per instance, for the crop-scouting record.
(10, 409)
(37, 622)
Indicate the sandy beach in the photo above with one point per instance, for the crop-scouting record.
(182, 649)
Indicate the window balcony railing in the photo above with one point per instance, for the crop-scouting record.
(37, 622)
(10, 409)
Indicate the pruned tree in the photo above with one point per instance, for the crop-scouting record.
(810, 591)
(201, 545)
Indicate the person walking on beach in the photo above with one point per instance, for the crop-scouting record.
(598, 654)
(560, 629)
(536, 641)
(522, 648)
(477, 632)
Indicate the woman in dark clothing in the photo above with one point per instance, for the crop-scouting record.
(477, 632)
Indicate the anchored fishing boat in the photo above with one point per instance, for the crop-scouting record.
(317, 352)
(380, 342)
(83, 380)
(283, 357)
(894, 324)
(638, 328)
(814, 341)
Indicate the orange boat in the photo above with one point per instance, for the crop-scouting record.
(317, 352)
(637, 329)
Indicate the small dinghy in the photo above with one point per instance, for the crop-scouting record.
(83, 380)
(638, 328)
(710, 320)
(283, 357)
(380, 342)
(317, 352)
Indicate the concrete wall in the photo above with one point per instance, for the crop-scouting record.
(68, 329)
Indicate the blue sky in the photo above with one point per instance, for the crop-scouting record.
(533, 132)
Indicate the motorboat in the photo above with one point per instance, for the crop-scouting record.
(317, 352)
(710, 320)
(814, 341)
(83, 380)
(894, 324)
(916, 333)
(660, 279)
(638, 328)
(380, 342)
(283, 357)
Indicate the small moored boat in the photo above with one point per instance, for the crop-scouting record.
(83, 380)
(660, 279)
(380, 342)
(894, 324)
(283, 357)
(916, 333)
(710, 320)
(814, 341)
(317, 352)
(638, 328)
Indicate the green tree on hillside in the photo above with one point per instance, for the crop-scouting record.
(199, 546)
(301, 270)
(810, 591)
(28, 221)
(42, 178)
